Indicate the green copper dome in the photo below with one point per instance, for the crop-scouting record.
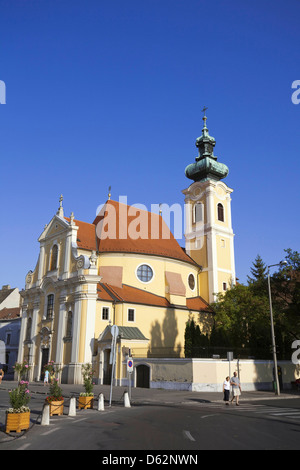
(206, 167)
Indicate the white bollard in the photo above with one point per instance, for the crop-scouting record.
(101, 402)
(126, 400)
(46, 415)
(72, 407)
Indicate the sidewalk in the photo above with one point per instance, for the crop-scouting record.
(140, 396)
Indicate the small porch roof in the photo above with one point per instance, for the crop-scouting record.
(127, 333)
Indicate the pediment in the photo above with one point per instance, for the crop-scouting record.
(54, 228)
(105, 336)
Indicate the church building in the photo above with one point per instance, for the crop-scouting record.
(125, 268)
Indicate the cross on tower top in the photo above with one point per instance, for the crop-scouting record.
(203, 110)
(60, 211)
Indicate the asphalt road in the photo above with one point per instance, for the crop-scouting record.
(189, 426)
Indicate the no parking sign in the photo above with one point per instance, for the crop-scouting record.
(130, 365)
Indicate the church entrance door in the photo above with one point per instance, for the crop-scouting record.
(45, 360)
(107, 371)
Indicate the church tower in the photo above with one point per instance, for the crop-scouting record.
(208, 228)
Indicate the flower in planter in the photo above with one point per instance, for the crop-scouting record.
(87, 374)
(23, 409)
(19, 398)
(55, 392)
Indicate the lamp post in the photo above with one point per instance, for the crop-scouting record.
(277, 392)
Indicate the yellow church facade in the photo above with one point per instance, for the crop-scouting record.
(126, 268)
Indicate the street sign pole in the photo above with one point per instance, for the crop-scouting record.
(129, 373)
(114, 334)
(129, 384)
(230, 358)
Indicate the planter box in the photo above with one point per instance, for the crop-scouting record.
(85, 402)
(56, 408)
(17, 422)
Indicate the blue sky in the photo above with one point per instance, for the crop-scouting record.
(107, 92)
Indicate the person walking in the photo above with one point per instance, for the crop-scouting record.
(1, 375)
(236, 388)
(226, 390)
(46, 377)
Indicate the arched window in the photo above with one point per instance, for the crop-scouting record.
(198, 212)
(54, 256)
(220, 212)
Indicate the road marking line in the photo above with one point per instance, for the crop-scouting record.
(189, 436)
(50, 432)
(267, 411)
(79, 420)
(25, 446)
(208, 416)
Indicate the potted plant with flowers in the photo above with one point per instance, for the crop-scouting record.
(86, 399)
(18, 415)
(55, 399)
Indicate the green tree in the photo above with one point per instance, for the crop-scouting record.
(258, 279)
(285, 285)
(259, 271)
(188, 342)
(242, 319)
(195, 342)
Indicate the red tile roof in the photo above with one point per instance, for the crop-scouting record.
(133, 295)
(10, 313)
(198, 303)
(129, 294)
(123, 222)
(86, 235)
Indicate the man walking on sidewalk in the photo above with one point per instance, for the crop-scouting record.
(236, 388)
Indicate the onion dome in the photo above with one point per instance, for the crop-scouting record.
(206, 167)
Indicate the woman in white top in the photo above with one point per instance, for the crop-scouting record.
(226, 390)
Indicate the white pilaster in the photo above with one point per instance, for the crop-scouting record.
(68, 245)
(90, 324)
(34, 335)
(41, 263)
(22, 333)
(60, 330)
(76, 324)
